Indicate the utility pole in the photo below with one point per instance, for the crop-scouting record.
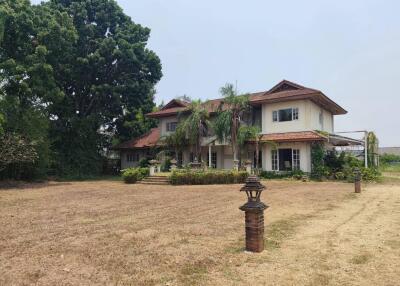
(366, 149)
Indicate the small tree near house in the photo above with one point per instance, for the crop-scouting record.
(231, 111)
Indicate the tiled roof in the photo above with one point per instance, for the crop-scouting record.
(293, 137)
(147, 140)
(166, 112)
(283, 91)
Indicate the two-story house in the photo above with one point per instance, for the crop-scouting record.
(289, 115)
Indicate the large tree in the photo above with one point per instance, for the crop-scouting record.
(78, 70)
(27, 81)
(107, 78)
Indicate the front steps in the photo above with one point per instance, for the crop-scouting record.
(155, 180)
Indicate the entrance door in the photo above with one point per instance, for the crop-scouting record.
(285, 159)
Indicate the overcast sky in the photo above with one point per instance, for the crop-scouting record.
(348, 49)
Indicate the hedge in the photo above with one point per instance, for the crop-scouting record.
(132, 175)
(190, 177)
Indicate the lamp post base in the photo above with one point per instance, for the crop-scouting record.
(357, 186)
(254, 230)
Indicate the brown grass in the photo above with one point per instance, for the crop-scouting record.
(109, 233)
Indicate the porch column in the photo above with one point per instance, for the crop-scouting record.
(209, 156)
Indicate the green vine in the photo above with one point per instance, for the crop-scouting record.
(317, 160)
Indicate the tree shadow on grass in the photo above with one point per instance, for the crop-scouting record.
(21, 185)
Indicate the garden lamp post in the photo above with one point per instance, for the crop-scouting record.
(173, 165)
(254, 214)
(357, 180)
(247, 164)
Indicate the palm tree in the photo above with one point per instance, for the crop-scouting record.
(247, 133)
(176, 141)
(253, 133)
(231, 110)
(195, 124)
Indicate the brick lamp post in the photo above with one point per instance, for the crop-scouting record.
(254, 214)
(357, 180)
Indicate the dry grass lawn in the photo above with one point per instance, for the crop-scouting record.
(109, 233)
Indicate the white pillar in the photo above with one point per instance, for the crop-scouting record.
(209, 157)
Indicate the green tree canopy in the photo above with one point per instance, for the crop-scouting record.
(28, 86)
(228, 122)
(74, 73)
(194, 124)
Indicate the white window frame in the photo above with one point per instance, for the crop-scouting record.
(295, 114)
(275, 159)
(214, 157)
(171, 126)
(275, 116)
(295, 159)
(132, 157)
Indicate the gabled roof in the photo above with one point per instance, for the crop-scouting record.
(175, 103)
(287, 91)
(285, 85)
(147, 140)
(283, 91)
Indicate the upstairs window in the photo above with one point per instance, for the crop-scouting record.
(171, 126)
(287, 114)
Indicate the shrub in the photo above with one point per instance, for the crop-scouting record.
(144, 162)
(132, 175)
(275, 175)
(190, 177)
(166, 165)
(296, 174)
(389, 158)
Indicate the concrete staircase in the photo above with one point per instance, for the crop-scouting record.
(155, 180)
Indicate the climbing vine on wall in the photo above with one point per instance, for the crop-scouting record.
(317, 160)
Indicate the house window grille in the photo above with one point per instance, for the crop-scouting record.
(296, 159)
(274, 156)
(171, 126)
(132, 157)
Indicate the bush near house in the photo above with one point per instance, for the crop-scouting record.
(334, 166)
(191, 177)
(297, 174)
(132, 175)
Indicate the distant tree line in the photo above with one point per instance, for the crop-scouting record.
(75, 77)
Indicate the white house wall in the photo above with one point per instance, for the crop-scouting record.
(308, 117)
(305, 154)
(163, 125)
(315, 124)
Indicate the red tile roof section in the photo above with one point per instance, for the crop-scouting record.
(293, 137)
(147, 140)
(295, 92)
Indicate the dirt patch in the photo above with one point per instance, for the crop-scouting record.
(109, 233)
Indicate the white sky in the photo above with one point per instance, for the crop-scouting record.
(348, 49)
